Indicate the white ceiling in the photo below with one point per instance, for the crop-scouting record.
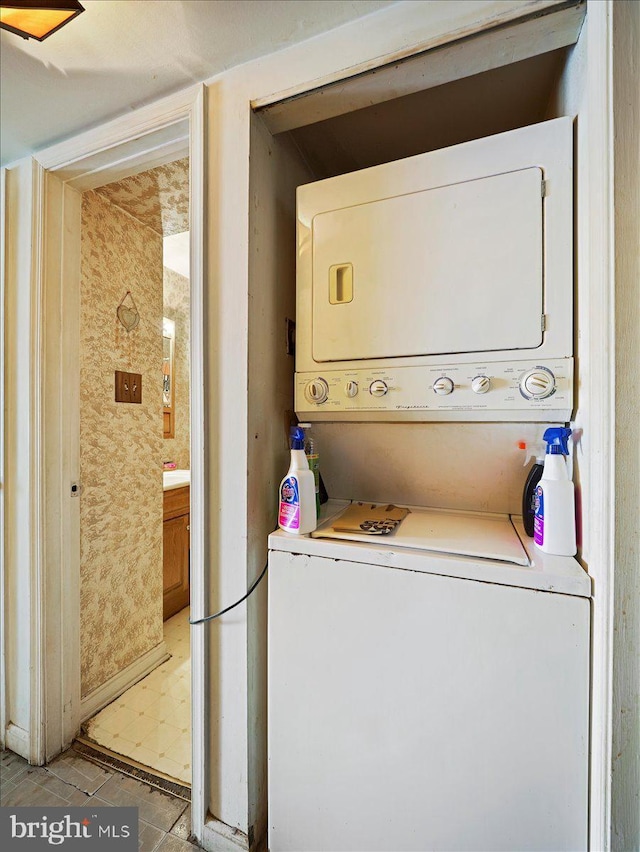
(120, 54)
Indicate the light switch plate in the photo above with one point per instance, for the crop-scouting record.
(128, 387)
(123, 387)
(135, 383)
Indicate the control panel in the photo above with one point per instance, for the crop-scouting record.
(517, 391)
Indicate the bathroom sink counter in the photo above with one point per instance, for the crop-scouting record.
(175, 479)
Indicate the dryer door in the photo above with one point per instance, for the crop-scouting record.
(449, 269)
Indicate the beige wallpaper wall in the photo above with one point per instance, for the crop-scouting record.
(158, 197)
(176, 308)
(121, 444)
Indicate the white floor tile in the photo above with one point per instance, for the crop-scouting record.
(151, 721)
(141, 699)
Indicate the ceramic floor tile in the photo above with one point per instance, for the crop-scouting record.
(172, 843)
(72, 769)
(12, 769)
(67, 791)
(155, 807)
(28, 794)
(159, 812)
(182, 828)
(44, 789)
(7, 789)
(149, 836)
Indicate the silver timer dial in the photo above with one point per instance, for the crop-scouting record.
(378, 388)
(538, 383)
(317, 391)
(443, 386)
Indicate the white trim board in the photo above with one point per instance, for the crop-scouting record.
(200, 668)
(601, 416)
(17, 739)
(22, 611)
(491, 49)
(121, 681)
(109, 152)
(220, 837)
(3, 644)
(471, 19)
(93, 148)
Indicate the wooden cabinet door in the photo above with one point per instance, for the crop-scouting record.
(176, 565)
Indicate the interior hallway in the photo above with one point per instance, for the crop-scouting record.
(150, 723)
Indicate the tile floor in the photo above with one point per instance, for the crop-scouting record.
(151, 721)
(71, 780)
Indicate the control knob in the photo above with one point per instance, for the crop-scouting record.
(538, 383)
(480, 384)
(443, 385)
(317, 391)
(378, 388)
(351, 389)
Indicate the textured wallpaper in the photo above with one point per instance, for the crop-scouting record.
(121, 450)
(176, 308)
(158, 198)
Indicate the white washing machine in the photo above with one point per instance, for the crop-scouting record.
(428, 690)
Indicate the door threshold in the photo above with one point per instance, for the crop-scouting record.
(127, 766)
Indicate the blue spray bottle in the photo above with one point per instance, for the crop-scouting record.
(555, 518)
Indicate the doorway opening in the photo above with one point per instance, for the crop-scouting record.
(135, 470)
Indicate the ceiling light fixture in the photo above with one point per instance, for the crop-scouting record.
(37, 18)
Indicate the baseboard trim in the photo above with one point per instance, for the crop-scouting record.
(219, 837)
(120, 682)
(17, 740)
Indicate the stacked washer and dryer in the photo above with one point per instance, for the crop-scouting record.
(429, 689)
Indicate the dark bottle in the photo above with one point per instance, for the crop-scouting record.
(529, 496)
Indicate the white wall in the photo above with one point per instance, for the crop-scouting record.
(276, 170)
(21, 462)
(625, 816)
(475, 466)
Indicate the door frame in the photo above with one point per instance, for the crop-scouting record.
(93, 159)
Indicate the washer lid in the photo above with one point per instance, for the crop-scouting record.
(544, 572)
(481, 535)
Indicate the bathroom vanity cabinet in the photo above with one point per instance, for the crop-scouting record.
(175, 586)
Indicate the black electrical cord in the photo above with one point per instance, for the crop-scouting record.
(237, 603)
